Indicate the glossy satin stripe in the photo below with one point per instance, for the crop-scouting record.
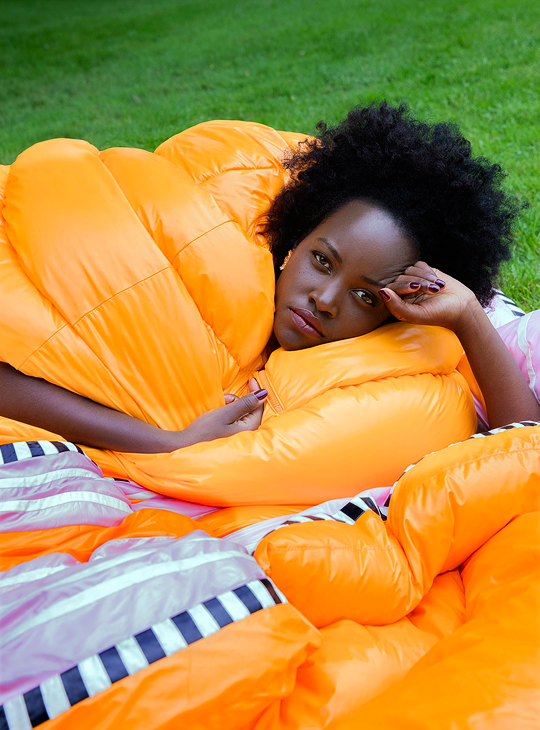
(39, 480)
(114, 585)
(96, 673)
(35, 505)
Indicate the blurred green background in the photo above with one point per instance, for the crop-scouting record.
(119, 72)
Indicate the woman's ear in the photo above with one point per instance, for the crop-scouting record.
(286, 260)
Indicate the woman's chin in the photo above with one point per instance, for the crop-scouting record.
(290, 340)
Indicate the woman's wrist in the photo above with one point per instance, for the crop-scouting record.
(507, 394)
(472, 321)
(164, 442)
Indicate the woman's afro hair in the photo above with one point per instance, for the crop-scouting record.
(450, 204)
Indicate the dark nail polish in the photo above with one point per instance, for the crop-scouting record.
(440, 283)
(414, 285)
(384, 294)
(433, 288)
(261, 394)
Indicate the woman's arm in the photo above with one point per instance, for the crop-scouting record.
(42, 404)
(506, 393)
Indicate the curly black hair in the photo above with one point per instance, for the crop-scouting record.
(450, 204)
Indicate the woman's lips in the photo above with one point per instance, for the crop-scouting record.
(307, 322)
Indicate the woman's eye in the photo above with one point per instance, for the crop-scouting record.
(322, 260)
(365, 296)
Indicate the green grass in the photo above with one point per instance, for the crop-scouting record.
(134, 72)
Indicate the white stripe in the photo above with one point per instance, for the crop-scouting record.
(252, 546)
(526, 350)
(135, 492)
(30, 575)
(17, 714)
(204, 621)
(94, 567)
(94, 675)
(71, 447)
(38, 480)
(22, 450)
(132, 655)
(55, 500)
(262, 594)
(169, 637)
(234, 606)
(109, 587)
(48, 447)
(54, 696)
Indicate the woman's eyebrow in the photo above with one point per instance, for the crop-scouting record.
(373, 282)
(332, 249)
(367, 279)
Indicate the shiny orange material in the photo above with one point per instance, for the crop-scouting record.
(442, 510)
(216, 684)
(142, 281)
(426, 621)
(229, 519)
(485, 675)
(80, 541)
(429, 620)
(384, 597)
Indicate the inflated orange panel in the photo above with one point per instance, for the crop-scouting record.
(442, 510)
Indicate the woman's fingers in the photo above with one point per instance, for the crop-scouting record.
(418, 279)
(242, 414)
(253, 385)
(421, 270)
(402, 309)
(245, 413)
(406, 284)
(243, 406)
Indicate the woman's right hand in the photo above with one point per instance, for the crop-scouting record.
(238, 414)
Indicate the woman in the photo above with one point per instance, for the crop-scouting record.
(367, 204)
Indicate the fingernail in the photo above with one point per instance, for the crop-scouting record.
(414, 285)
(433, 288)
(440, 283)
(261, 394)
(384, 294)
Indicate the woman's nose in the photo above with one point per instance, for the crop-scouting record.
(326, 299)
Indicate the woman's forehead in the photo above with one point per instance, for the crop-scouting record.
(363, 237)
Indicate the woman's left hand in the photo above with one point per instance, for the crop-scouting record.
(422, 295)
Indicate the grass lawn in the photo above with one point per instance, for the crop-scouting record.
(134, 72)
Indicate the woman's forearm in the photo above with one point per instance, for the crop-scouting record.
(506, 393)
(42, 404)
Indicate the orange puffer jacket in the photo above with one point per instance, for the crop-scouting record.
(142, 281)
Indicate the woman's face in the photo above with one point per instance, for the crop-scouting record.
(328, 290)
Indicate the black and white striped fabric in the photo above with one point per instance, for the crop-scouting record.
(512, 306)
(355, 509)
(520, 424)
(482, 434)
(349, 513)
(358, 506)
(96, 673)
(20, 450)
